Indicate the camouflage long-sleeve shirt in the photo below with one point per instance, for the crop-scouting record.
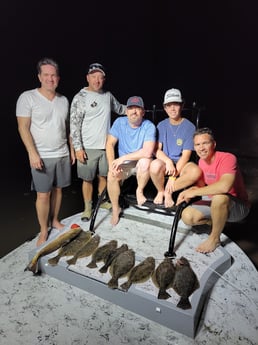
(90, 118)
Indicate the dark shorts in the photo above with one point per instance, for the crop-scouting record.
(96, 164)
(238, 209)
(56, 172)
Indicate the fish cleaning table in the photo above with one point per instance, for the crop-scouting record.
(147, 234)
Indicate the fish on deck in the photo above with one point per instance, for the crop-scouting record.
(185, 282)
(140, 273)
(120, 267)
(50, 247)
(72, 247)
(163, 277)
(112, 255)
(86, 250)
(102, 253)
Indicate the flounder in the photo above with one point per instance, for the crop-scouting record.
(86, 250)
(102, 253)
(72, 247)
(185, 282)
(121, 266)
(140, 273)
(163, 277)
(112, 255)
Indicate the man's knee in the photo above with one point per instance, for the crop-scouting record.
(156, 166)
(191, 216)
(220, 200)
(192, 171)
(143, 165)
(187, 216)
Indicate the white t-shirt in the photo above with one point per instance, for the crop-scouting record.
(48, 122)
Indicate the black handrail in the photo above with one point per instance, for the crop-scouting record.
(95, 211)
(194, 109)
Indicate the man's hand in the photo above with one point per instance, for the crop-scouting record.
(81, 156)
(35, 161)
(170, 168)
(187, 195)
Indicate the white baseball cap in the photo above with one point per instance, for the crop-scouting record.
(173, 95)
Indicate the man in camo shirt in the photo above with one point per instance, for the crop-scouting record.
(90, 120)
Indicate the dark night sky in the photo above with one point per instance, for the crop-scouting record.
(207, 50)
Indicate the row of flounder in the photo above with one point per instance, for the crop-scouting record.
(120, 261)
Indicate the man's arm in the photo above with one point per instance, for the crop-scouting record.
(186, 154)
(27, 139)
(145, 152)
(170, 167)
(110, 149)
(222, 186)
(76, 119)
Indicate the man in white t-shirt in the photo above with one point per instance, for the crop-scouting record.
(42, 116)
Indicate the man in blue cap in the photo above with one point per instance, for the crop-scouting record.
(136, 138)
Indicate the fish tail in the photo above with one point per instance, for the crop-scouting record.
(125, 286)
(92, 264)
(113, 283)
(72, 261)
(54, 261)
(103, 269)
(184, 303)
(32, 266)
(163, 294)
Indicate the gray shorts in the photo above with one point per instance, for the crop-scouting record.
(56, 172)
(238, 209)
(96, 164)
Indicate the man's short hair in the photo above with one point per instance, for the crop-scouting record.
(47, 61)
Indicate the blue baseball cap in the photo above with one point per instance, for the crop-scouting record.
(135, 101)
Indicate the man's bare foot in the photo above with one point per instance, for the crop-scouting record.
(140, 197)
(159, 198)
(42, 238)
(57, 225)
(115, 216)
(208, 246)
(168, 200)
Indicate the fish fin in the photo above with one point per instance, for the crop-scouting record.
(72, 261)
(103, 269)
(163, 294)
(125, 286)
(113, 283)
(92, 265)
(184, 303)
(53, 261)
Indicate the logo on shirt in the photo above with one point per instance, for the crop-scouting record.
(179, 142)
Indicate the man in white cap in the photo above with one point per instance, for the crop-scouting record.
(136, 138)
(175, 146)
(90, 120)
